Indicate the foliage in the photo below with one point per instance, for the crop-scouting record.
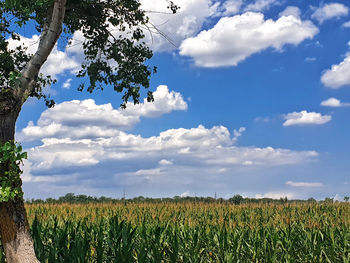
(191, 232)
(113, 31)
(11, 157)
(12, 62)
(236, 199)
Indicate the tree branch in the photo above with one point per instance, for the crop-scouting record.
(48, 39)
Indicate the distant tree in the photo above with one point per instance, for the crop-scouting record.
(236, 199)
(311, 200)
(346, 198)
(284, 200)
(68, 198)
(50, 200)
(329, 200)
(139, 199)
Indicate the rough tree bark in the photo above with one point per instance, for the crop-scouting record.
(14, 227)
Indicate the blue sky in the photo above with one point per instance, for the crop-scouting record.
(252, 99)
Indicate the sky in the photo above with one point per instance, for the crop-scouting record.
(251, 98)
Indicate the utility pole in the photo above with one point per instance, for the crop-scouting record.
(124, 196)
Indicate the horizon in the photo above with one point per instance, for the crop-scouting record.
(217, 198)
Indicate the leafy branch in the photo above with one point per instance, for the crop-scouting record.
(11, 156)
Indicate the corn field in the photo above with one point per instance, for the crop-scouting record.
(191, 233)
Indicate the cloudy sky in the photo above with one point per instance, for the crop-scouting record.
(251, 97)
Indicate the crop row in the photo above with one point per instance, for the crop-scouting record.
(191, 233)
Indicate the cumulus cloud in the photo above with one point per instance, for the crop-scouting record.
(85, 119)
(231, 7)
(57, 62)
(329, 11)
(346, 24)
(84, 142)
(305, 118)
(304, 184)
(164, 102)
(333, 102)
(233, 39)
(338, 76)
(198, 148)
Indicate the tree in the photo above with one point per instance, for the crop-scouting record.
(329, 200)
(312, 200)
(237, 199)
(115, 61)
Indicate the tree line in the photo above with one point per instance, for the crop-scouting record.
(235, 199)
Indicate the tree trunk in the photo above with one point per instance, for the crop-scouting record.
(15, 235)
(14, 228)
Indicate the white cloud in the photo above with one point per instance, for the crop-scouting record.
(310, 59)
(67, 83)
(56, 153)
(85, 119)
(305, 118)
(333, 102)
(86, 143)
(261, 5)
(304, 184)
(174, 28)
(337, 198)
(185, 194)
(164, 102)
(231, 7)
(233, 39)
(57, 62)
(165, 162)
(90, 136)
(199, 148)
(290, 11)
(185, 23)
(346, 24)
(329, 11)
(237, 133)
(155, 171)
(262, 119)
(338, 76)
(277, 195)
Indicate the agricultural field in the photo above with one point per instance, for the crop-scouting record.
(191, 232)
